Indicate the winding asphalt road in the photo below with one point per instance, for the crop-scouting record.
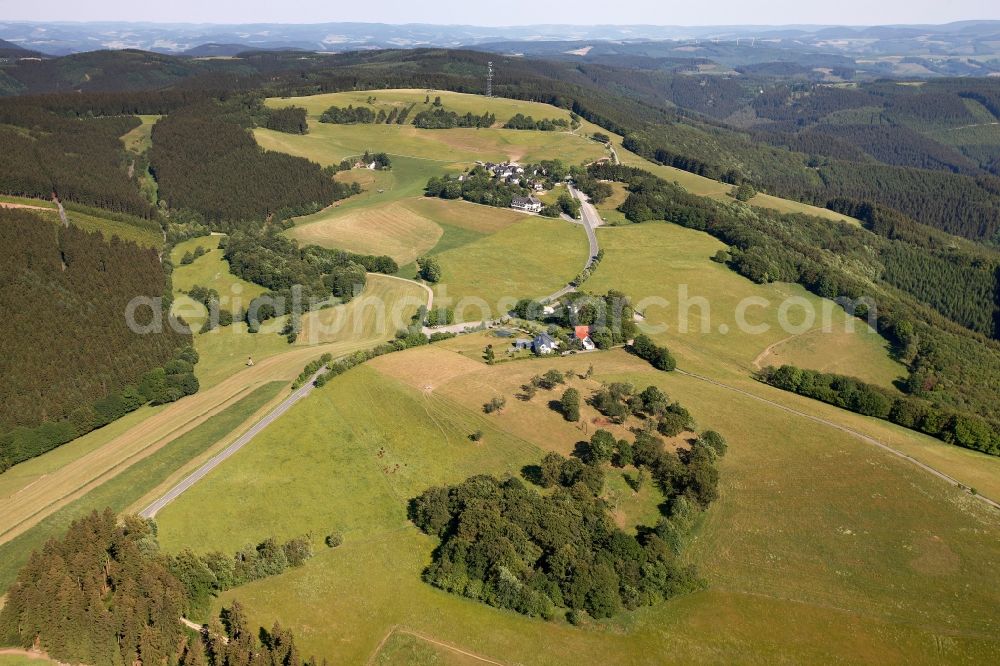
(244, 439)
(590, 220)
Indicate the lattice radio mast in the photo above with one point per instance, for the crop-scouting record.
(489, 79)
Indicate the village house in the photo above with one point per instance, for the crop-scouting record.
(544, 344)
(527, 204)
(582, 333)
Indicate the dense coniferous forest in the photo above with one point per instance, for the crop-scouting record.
(348, 116)
(72, 347)
(105, 595)
(290, 119)
(76, 159)
(208, 162)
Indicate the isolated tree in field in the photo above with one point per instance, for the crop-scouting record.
(489, 354)
(552, 378)
(570, 404)
(429, 269)
(495, 405)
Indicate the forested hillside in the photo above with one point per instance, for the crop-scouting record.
(209, 163)
(70, 360)
(77, 159)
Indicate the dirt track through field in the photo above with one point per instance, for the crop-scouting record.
(850, 431)
(424, 637)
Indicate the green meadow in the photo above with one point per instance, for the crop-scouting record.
(820, 547)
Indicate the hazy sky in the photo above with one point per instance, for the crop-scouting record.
(508, 12)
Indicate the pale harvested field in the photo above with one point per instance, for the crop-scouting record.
(386, 305)
(463, 381)
(394, 229)
(403, 229)
(465, 215)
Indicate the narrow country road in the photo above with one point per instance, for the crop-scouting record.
(589, 220)
(850, 431)
(175, 492)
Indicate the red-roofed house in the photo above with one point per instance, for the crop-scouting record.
(582, 333)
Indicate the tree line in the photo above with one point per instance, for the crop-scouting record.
(948, 425)
(278, 263)
(522, 122)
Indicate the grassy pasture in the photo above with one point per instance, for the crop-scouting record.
(211, 270)
(139, 139)
(529, 259)
(660, 260)
(403, 647)
(403, 228)
(460, 103)
(328, 143)
(608, 209)
(129, 487)
(819, 548)
(386, 305)
(834, 351)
